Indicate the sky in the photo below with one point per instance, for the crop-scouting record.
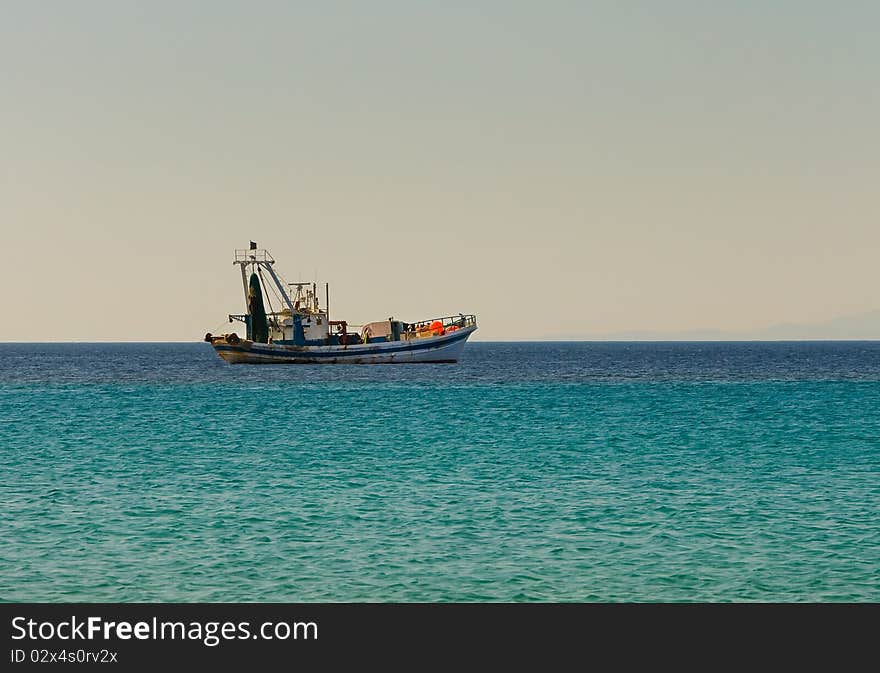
(560, 169)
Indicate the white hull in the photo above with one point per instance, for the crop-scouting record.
(445, 348)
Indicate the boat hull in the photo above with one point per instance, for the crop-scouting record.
(445, 348)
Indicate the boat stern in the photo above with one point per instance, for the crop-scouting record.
(230, 347)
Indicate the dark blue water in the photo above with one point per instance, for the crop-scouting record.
(528, 471)
(523, 362)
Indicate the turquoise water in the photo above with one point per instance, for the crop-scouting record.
(527, 472)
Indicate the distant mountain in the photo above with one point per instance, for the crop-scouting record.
(860, 326)
(854, 327)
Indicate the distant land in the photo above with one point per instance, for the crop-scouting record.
(862, 326)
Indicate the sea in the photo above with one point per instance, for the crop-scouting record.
(534, 472)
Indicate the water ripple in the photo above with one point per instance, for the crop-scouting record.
(129, 477)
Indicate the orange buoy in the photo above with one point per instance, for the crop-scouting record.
(437, 325)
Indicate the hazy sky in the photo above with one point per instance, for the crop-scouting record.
(557, 168)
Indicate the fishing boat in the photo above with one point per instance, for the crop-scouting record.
(296, 329)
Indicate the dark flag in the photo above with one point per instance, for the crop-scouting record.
(253, 246)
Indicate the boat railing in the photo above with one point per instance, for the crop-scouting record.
(460, 321)
(252, 256)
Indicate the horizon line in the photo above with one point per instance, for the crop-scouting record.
(488, 341)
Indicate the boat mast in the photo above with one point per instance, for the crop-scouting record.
(259, 258)
(244, 284)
